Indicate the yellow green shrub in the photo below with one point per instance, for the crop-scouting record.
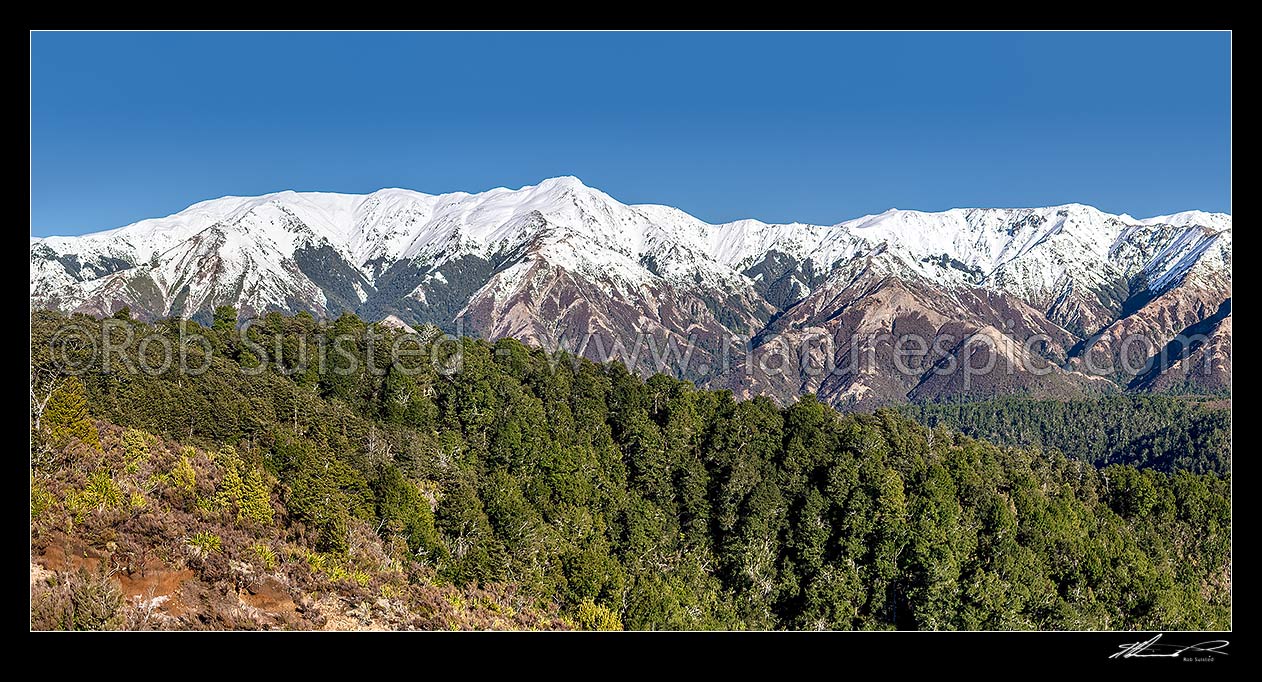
(264, 554)
(593, 616)
(206, 542)
(184, 477)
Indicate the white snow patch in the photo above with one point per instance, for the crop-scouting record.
(248, 244)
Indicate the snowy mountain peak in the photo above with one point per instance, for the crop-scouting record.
(328, 250)
(559, 259)
(562, 182)
(1215, 221)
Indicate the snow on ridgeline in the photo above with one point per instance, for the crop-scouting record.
(1027, 251)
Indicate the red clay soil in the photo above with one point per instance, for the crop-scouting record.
(64, 553)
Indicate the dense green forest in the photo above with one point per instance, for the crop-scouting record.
(601, 499)
(1156, 431)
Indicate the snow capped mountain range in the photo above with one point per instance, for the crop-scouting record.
(562, 258)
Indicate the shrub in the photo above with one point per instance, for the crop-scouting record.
(316, 561)
(136, 450)
(264, 554)
(206, 543)
(184, 477)
(101, 493)
(456, 600)
(77, 601)
(41, 499)
(593, 616)
(339, 573)
(228, 497)
(255, 506)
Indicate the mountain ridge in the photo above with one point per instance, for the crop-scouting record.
(561, 259)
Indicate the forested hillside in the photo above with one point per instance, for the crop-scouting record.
(532, 491)
(1161, 432)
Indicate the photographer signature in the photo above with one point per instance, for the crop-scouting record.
(1153, 649)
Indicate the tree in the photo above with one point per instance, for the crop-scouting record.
(256, 500)
(652, 504)
(889, 538)
(405, 512)
(225, 318)
(231, 490)
(66, 416)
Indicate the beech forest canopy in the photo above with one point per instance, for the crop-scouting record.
(650, 504)
(1151, 430)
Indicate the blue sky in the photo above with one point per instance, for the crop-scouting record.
(812, 127)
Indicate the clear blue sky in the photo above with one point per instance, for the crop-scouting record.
(812, 127)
